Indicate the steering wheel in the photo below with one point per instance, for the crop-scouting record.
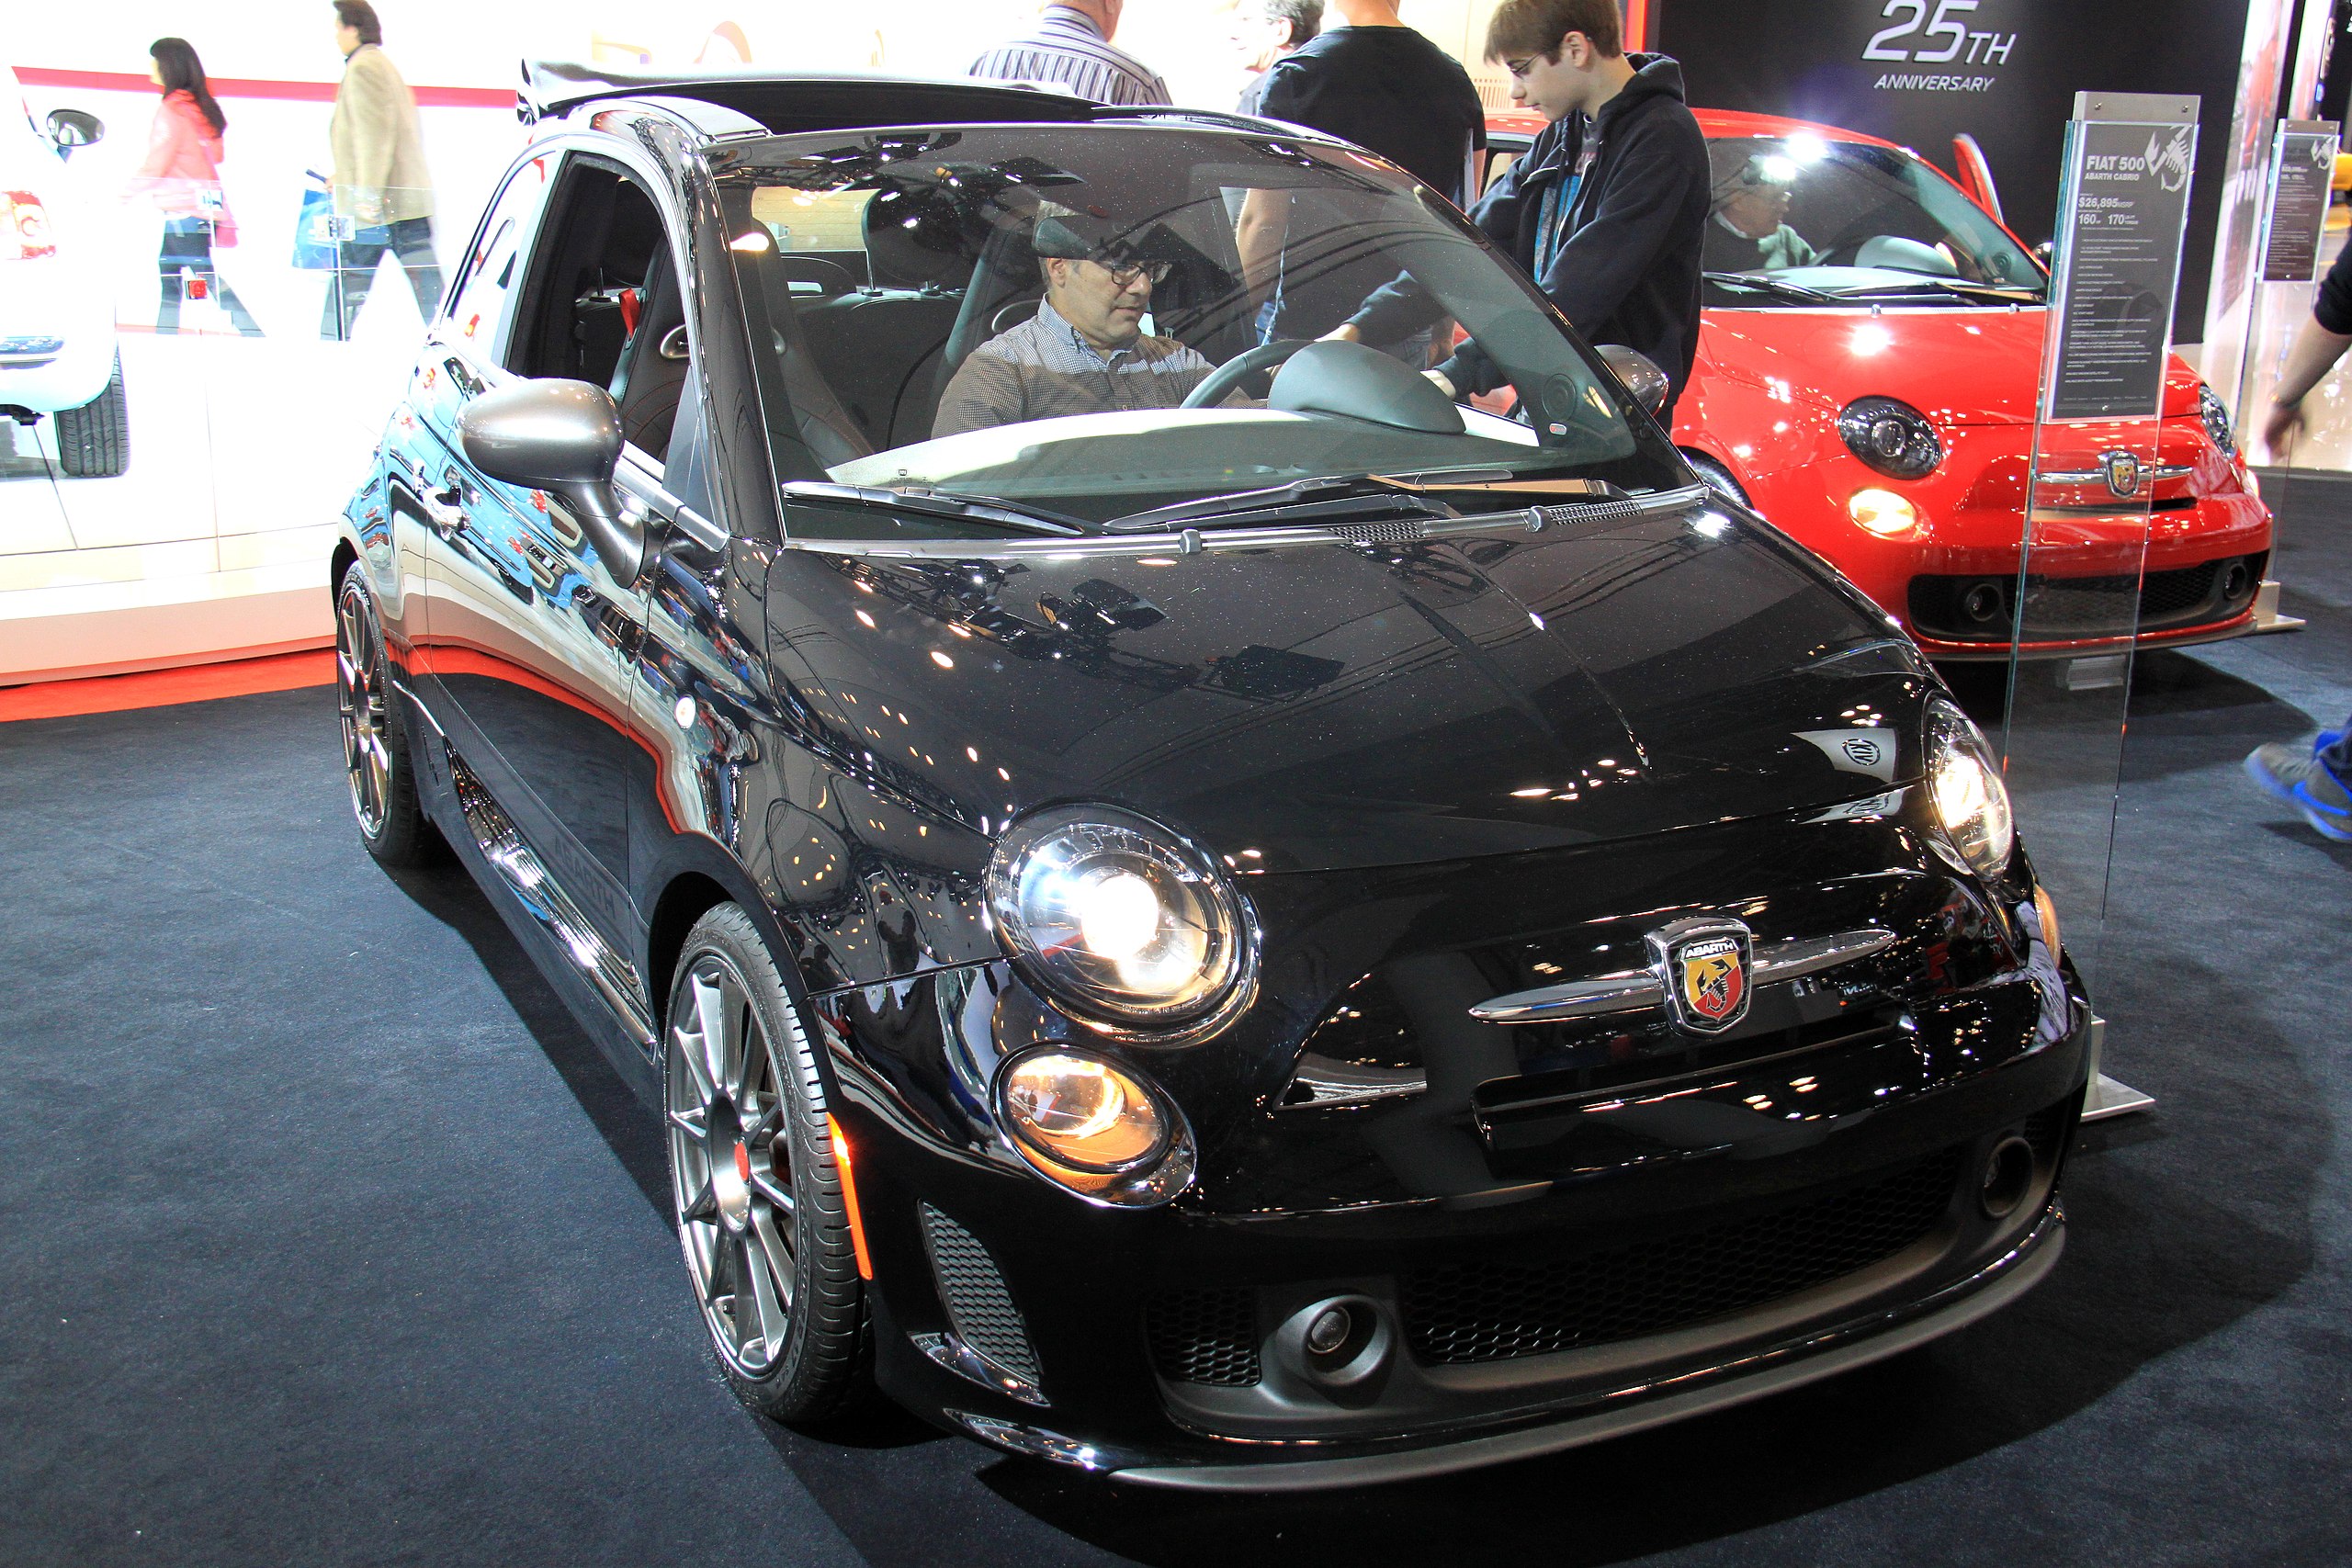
(1228, 375)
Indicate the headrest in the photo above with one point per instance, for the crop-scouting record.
(914, 239)
(1079, 236)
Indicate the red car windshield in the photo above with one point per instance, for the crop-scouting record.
(1799, 216)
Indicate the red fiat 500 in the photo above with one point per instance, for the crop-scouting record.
(1867, 379)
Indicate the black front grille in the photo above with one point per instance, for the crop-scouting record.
(1204, 1337)
(979, 1306)
(2060, 607)
(1492, 1311)
(2165, 594)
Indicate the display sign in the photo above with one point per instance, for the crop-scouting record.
(2302, 170)
(2123, 207)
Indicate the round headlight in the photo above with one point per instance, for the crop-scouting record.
(1118, 919)
(1965, 788)
(2216, 415)
(1891, 436)
(1083, 1113)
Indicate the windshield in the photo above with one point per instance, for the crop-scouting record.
(1092, 322)
(1801, 215)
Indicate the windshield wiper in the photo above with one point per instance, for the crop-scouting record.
(1991, 293)
(1771, 286)
(1364, 497)
(1249, 505)
(938, 503)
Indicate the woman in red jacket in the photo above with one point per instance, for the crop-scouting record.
(182, 176)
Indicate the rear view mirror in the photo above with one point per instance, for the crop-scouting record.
(1639, 374)
(563, 437)
(69, 129)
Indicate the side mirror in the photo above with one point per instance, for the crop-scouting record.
(2046, 253)
(69, 129)
(563, 437)
(1640, 375)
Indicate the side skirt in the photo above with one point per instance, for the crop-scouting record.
(600, 986)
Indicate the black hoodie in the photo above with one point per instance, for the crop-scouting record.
(1629, 271)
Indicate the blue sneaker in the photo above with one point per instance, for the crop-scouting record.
(2326, 804)
(2280, 766)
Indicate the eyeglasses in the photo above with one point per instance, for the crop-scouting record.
(1520, 67)
(1124, 273)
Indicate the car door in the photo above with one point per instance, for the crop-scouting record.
(531, 634)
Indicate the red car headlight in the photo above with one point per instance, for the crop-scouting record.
(1890, 435)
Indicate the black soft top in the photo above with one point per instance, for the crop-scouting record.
(785, 104)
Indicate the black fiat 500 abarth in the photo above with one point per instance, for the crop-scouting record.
(1191, 905)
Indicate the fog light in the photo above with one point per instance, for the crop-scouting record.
(1882, 513)
(2007, 1178)
(1328, 1333)
(1083, 1113)
(1982, 603)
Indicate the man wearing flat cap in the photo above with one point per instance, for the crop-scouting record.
(1085, 350)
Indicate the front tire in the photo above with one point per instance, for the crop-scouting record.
(375, 744)
(754, 1186)
(94, 441)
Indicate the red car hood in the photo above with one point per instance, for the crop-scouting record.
(1976, 364)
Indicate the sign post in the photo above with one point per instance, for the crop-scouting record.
(2096, 462)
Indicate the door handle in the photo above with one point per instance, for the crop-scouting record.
(443, 506)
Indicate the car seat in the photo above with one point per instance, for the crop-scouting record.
(819, 423)
(878, 345)
(653, 362)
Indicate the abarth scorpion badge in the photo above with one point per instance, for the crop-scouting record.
(1705, 967)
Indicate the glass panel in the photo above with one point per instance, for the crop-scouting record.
(2119, 437)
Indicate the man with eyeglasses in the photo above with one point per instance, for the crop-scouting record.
(1085, 351)
(1608, 209)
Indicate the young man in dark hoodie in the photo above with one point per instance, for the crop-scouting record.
(1607, 212)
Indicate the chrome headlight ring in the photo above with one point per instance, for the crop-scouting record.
(1126, 926)
(1966, 792)
(1891, 436)
(1094, 1127)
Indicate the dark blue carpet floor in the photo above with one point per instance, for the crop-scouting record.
(325, 1237)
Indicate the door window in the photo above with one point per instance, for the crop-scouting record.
(604, 306)
(493, 267)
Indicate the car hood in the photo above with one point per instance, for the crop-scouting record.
(1326, 705)
(1973, 365)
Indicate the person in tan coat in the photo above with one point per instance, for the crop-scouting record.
(382, 191)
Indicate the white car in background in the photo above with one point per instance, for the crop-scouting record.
(57, 341)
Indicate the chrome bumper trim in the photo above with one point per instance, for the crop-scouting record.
(1634, 990)
(966, 1362)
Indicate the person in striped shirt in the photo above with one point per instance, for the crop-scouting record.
(1070, 48)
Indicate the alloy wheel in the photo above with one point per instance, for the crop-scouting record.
(359, 700)
(730, 1165)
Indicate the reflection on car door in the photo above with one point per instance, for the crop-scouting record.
(531, 637)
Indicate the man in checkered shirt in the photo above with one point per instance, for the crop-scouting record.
(1071, 46)
(1083, 352)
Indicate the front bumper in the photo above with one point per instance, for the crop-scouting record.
(1102, 1388)
(1594, 1417)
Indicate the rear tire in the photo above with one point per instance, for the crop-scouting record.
(392, 825)
(94, 441)
(754, 1187)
